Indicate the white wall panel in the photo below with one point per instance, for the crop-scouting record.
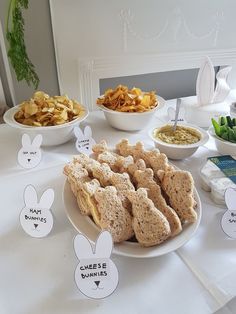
(99, 39)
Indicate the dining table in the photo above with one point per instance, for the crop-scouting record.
(37, 274)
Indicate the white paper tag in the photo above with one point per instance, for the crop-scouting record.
(84, 142)
(29, 156)
(96, 275)
(228, 221)
(36, 218)
(171, 114)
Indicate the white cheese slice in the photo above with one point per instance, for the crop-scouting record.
(208, 172)
(213, 180)
(218, 187)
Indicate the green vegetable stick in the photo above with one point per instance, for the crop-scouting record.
(224, 129)
(231, 135)
(222, 120)
(229, 122)
(216, 126)
(225, 136)
(234, 129)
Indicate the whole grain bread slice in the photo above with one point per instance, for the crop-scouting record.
(178, 185)
(150, 225)
(145, 179)
(114, 217)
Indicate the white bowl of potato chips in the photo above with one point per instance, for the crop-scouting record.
(129, 109)
(53, 117)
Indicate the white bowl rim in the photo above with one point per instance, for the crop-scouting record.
(9, 119)
(160, 105)
(211, 131)
(203, 140)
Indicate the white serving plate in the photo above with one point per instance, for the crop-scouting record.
(86, 226)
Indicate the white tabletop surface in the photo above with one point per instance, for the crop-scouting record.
(37, 275)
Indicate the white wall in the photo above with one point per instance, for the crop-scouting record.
(99, 29)
(102, 39)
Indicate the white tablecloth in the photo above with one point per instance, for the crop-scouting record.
(36, 275)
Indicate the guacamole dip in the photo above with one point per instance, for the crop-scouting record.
(183, 135)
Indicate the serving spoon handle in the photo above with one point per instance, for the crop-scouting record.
(178, 103)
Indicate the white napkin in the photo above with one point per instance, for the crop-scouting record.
(205, 87)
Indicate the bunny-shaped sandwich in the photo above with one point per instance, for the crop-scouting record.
(36, 218)
(145, 179)
(29, 156)
(114, 217)
(228, 221)
(150, 226)
(178, 185)
(96, 274)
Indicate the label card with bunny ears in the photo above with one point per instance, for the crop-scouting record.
(84, 140)
(29, 156)
(36, 218)
(228, 221)
(96, 275)
(171, 114)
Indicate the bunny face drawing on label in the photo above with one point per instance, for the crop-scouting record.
(29, 156)
(84, 142)
(36, 218)
(96, 275)
(228, 221)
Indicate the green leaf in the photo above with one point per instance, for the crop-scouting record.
(17, 53)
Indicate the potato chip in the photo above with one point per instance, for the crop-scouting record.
(44, 110)
(128, 100)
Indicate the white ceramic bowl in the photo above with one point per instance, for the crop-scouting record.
(52, 135)
(176, 151)
(131, 121)
(223, 147)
